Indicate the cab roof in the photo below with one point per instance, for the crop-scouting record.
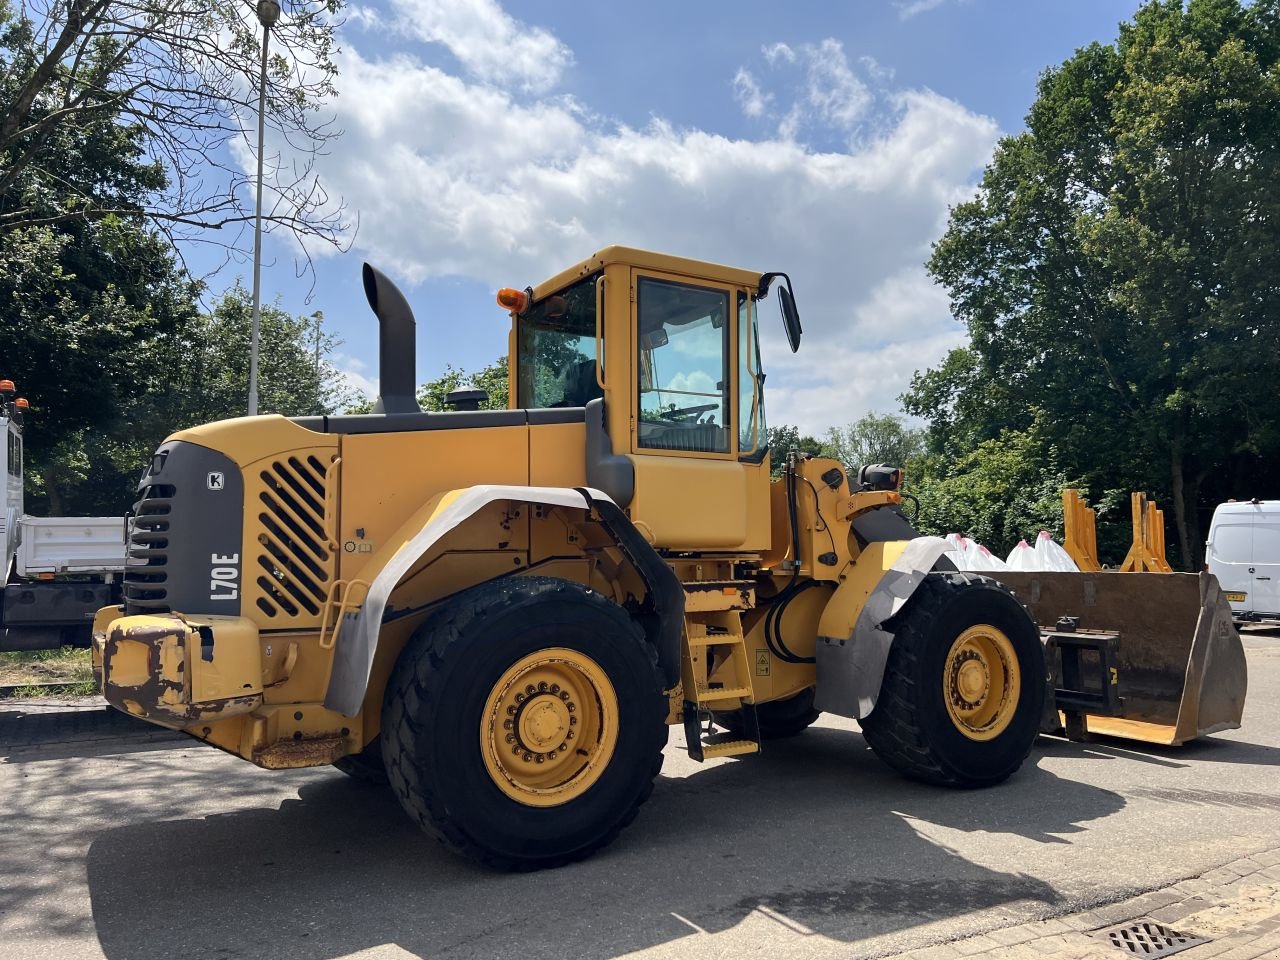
(647, 260)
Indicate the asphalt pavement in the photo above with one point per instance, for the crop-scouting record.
(122, 841)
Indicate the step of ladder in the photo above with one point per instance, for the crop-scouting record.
(710, 694)
(701, 749)
(729, 748)
(717, 636)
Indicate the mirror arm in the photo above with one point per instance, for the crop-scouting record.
(766, 280)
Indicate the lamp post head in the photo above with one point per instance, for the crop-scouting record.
(268, 12)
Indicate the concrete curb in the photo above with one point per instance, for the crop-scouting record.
(1236, 908)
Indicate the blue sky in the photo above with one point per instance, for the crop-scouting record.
(491, 145)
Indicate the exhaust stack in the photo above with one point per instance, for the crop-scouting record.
(397, 336)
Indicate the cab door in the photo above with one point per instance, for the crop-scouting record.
(1230, 559)
(695, 487)
(1266, 565)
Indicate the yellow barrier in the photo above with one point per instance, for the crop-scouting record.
(1147, 554)
(1080, 538)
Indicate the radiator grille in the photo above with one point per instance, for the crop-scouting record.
(146, 565)
(295, 563)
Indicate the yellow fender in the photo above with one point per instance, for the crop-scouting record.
(358, 628)
(852, 647)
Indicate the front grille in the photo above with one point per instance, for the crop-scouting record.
(145, 579)
(295, 565)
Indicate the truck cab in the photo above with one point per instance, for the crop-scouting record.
(55, 572)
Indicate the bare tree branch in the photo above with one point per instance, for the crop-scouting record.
(180, 77)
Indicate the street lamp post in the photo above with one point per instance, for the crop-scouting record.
(268, 14)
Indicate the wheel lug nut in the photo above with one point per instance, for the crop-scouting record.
(540, 758)
(542, 687)
(528, 757)
(573, 721)
(555, 688)
(570, 707)
(511, 711)
(569, 735)
(520, 698)
(516, 750)
(563, 695)
(529, 689)
(563, 746)
(511, 738)
(506, 724)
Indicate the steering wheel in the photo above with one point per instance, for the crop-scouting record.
(684, 413)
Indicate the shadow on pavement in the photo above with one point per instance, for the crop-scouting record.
(815, 832)
(1211, 749)
(50, 730)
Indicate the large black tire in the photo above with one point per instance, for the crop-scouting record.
(910, 727)
(440, 694)
(366, 765)
(778, 719)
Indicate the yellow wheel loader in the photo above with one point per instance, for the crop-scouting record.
(501, 612)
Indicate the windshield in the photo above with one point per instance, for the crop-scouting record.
(556, 349)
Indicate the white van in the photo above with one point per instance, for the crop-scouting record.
(1243, 552)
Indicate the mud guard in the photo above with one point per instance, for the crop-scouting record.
(358, 638)
(852, 647)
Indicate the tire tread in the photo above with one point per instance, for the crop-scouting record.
(894, 729)
(418, 674)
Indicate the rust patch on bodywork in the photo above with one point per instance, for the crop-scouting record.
(145, 673)
(718, 595)
(289, 754)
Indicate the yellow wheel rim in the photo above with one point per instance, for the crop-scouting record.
(549, 727)
(981, 683)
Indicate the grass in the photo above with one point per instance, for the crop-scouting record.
(69, 669)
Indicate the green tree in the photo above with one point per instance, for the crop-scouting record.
(82, 312)
(785, 438)
(492, 379)
(1116, 270)
(874, 438)
(197, 373)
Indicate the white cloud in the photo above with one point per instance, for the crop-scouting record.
(489, 43)
(834, 92)
(747, 92)
(354, 376)
(775, 53)
(827, 95)
(909, 8)
(457, 178)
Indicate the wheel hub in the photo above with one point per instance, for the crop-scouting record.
(549, 727)
(981, 682)
(543, 723)
(973, 679)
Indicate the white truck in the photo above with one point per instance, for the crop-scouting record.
(1243, 552)
(55, 572)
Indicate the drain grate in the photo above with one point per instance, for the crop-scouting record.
(1146, 938)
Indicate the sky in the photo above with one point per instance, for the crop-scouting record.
(490, 144)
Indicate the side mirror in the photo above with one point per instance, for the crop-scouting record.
(786, 303)
(790, 317)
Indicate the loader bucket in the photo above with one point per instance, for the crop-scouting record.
(1181, 666)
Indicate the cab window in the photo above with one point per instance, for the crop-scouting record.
(556, 349)
(683, 362)
(752, 432)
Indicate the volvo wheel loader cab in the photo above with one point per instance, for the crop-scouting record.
(501, 612)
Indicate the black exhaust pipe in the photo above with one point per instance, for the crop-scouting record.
(397, 344)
